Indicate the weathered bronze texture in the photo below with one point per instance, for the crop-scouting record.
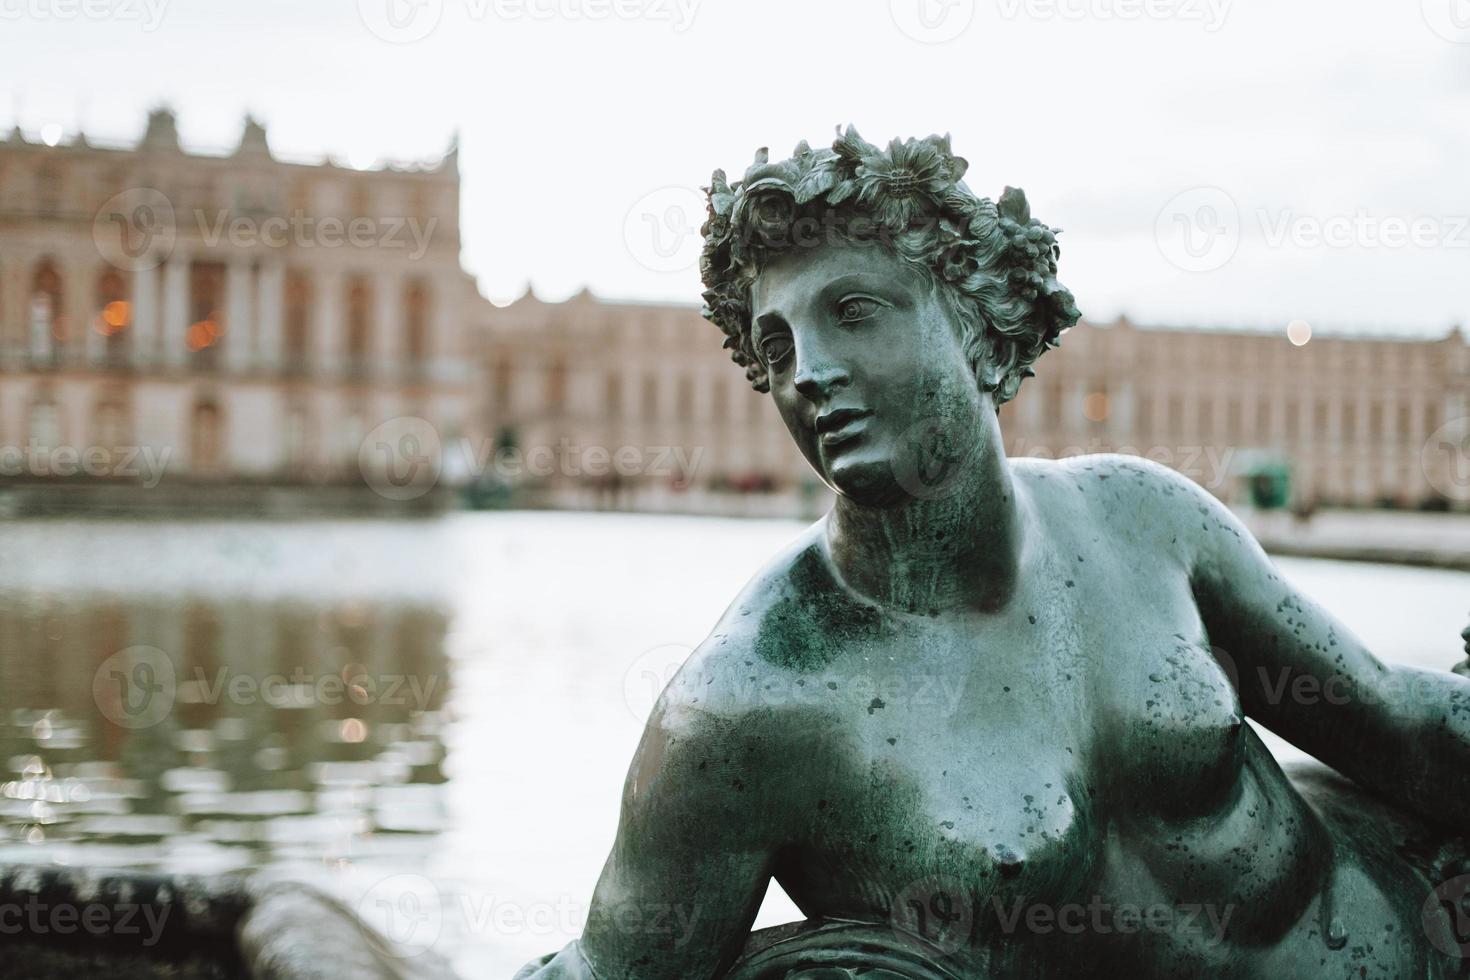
(987, 718)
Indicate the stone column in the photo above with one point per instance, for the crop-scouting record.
(385, 344)
(145, 325)
(327, 322)
(269, 306)
(444, 361)
(239, 315)
(79, 296)
(173, 347)
(13, 301)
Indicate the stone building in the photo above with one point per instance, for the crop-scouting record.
(176, 320)
(1354, 421)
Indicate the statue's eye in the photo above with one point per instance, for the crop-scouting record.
(854, 308)
(775, 347)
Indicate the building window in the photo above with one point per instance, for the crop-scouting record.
(297, 354)
(686, 399)
(556, 385)
(613, 399)
(416, 324)
(110, 426)
(48, 191)
(47, 325)
(297, 440)
(206, 442)
(206, 312)
(650, 397)
(353, 432)
(501, 382)
(43, 426)
(114, 315)
(359, 313)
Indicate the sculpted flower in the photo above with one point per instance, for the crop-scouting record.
(764, 211)
(910, 180)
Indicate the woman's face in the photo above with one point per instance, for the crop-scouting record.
(868, 371)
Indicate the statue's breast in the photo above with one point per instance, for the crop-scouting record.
(1176, 727)
(963, 789)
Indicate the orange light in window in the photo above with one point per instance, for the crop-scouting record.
(205, 332)
(1095, 407)
(201, 335)
(116, 316)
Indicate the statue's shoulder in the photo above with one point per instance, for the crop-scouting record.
(789, 622)
(1128, 498)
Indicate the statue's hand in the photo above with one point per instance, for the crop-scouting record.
(1463, 667)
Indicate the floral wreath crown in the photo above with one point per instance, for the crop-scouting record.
(911, 197)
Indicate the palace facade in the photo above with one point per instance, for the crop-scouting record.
(1354, 421)
(178, 320)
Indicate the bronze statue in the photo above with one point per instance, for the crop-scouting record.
(987, 717)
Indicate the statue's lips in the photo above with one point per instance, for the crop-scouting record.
(842, 425)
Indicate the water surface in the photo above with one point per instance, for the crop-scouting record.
(429, 718)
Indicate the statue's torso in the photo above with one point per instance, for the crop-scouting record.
(1013, 786)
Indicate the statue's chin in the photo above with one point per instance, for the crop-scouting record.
(868, 482)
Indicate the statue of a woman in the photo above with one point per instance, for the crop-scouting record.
(986, 717)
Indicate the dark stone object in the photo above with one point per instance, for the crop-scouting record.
(189, 927)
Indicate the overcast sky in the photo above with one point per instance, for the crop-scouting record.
(1214, 162)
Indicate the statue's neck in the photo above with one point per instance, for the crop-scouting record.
(958, 550)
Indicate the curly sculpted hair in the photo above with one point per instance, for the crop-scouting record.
(998, 264)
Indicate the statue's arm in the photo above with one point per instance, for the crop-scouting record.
(1404, 731)
(692, 856)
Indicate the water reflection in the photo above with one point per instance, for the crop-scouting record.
(208, 735)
